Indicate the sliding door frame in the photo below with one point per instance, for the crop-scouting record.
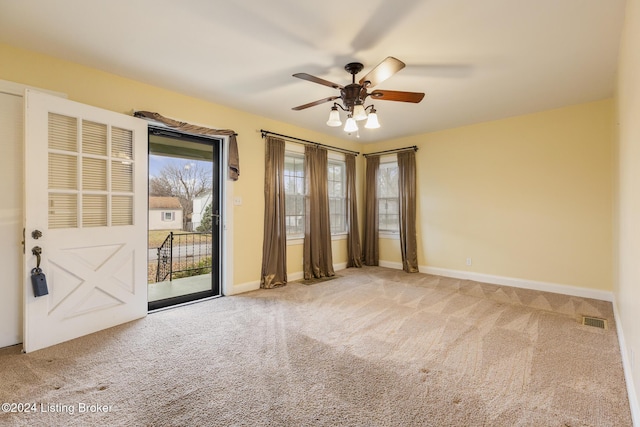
(219, 250)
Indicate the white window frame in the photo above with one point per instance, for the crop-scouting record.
(387, 233)
(296, 151)
(171, 215)
(339, 159)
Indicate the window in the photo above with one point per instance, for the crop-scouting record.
(337, 196)
(100, 192)
(388, 203)
(168, 216)
(294, 194)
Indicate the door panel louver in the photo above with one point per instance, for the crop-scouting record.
(94, 174)
(122, 210)
(121, 143)
(121, 176)
(94, 138)
(63, 210)
(63, 132)
(66, 168)
(88, 163)
(94, 210)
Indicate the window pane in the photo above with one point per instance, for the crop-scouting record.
(94, 138)
(94, 174)
(337, 196)
(388, 203)
(294, 193)
(63, 210)
(122, 210)
(122, 143)
(121, 176)
(63, 132)
(94, 211)
(63, 172)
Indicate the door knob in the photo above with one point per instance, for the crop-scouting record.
(36, 234)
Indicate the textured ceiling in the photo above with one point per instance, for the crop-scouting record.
(475, 60)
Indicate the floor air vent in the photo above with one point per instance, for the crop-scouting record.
(595, 322)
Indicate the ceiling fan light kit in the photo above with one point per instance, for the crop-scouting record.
(350, 125)
(372, 120)
(334, 117)
(354, 95)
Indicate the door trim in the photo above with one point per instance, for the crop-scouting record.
(221, 144)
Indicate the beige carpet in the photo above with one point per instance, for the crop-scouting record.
(375, 347)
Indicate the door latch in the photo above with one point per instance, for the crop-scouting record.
(37, 251)
(38, 279)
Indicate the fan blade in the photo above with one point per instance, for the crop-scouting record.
(382, 71)
(314, 103)
(309, 77)
(395, 95)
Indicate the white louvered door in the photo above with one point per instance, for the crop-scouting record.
(86, 191)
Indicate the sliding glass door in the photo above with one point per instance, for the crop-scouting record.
(184, 218)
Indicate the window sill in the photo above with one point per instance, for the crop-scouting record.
(299, 240)
(389, 235)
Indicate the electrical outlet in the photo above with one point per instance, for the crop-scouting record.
(469, 261)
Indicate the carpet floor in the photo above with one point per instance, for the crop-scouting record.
(373, 347)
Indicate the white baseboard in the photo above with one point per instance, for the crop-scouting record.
(557, 288)
(244, 287)
(341, 266)
(255, 285)
(391, 264)
(626, 366)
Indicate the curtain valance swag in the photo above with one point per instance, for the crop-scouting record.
(234, 159)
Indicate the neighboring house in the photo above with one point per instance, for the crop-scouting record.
(199, 206)
(165, 213)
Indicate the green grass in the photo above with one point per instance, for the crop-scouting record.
(156, 237)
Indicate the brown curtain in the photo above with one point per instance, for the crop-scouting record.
(354, 251)
(371, 253)
(317, 258)
(234, 160)
(407, 200)
(274, 245)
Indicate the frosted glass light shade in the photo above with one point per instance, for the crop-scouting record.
(358, 112)
(334, 118)
(350, 125)
(372, 121)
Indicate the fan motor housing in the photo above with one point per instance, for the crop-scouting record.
(352, 93)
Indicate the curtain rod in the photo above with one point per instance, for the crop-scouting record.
(395, 150)
(304, 141)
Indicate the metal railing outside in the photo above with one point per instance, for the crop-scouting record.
(184, 254)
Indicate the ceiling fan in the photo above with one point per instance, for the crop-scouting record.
(354, 95)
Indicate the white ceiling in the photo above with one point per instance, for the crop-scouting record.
(476, 60)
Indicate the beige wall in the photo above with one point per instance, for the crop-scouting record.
(528, 197)
(111, 92)
(628, 195)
